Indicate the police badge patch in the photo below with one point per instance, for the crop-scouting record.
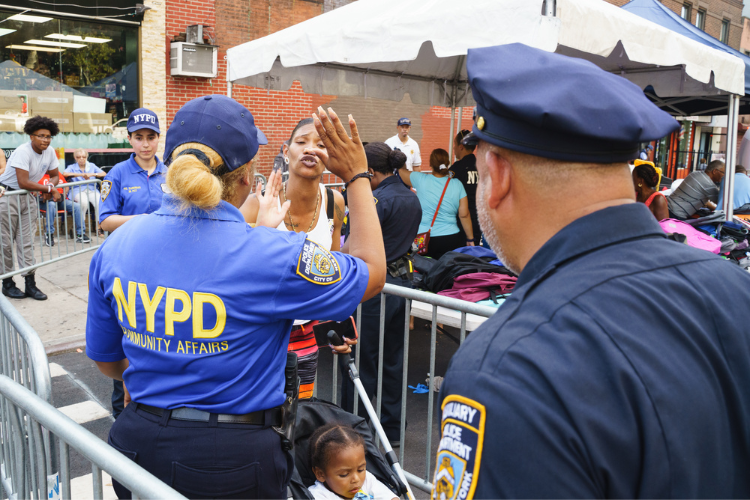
(318, 265)
(460, 450)
(106, 188)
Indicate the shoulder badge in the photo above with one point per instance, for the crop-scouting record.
(376, 200)
(317, 265)
(460, 450)
(106, 188)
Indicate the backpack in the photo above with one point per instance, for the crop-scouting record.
(454, 264)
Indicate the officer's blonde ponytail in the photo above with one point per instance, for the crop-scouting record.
(196, 184)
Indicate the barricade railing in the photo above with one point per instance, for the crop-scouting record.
(30, 415)
(36, 232)
(441, 309)
(23, 360)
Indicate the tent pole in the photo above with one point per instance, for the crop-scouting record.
(453, 123)
(732, 119)
(229, 82)
(549, 8)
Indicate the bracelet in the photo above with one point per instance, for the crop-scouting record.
(358, 176)
(470, 240)
(49, 188)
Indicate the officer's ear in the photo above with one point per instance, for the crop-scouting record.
(499, 173)
(319, 474)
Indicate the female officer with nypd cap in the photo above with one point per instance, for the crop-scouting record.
(133, 187)
(199, 330)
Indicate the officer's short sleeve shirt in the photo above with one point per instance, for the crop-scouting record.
(129, 190)
(201, 305)
(617, 368)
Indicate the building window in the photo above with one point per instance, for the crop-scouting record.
(724, 31)
(48, 63)
(700, 19)
(686, 11)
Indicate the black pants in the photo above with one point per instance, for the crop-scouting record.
(118, 398)
(441, 244)
(203, 459)
(393, 358)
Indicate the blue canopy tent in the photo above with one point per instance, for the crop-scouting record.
(658, 13)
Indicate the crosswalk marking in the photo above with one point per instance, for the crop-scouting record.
(82, 487)
(85, 411)
(56, 370)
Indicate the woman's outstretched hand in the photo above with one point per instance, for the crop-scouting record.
(344, 155)
(269, 212)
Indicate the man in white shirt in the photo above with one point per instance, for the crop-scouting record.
(25, 168)
(406, 145)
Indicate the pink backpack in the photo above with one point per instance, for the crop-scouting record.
(695, 238)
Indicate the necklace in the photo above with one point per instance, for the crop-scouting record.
(315, 214)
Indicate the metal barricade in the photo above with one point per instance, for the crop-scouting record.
(29, 225)
(30, 415)
(438, 309)
(24, 361)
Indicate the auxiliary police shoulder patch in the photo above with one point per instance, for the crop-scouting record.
(460, 450)
(317, 265)
(106, 188)
(376, 200)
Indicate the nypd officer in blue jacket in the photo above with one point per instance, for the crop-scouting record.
(582, 385)
(193, 308)
(131, 188)
(399, 212)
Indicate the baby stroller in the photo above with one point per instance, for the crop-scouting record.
(314, 413)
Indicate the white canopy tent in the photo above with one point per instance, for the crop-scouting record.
(386, 48)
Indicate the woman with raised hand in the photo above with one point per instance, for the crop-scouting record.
(199, 329)
(317, 211)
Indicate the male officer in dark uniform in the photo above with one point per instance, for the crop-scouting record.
(620, 365)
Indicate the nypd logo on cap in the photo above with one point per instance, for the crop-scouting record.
(143, 118)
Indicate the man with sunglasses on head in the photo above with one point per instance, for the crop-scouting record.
(25, 168)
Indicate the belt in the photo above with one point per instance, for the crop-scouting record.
(193, 415)
(7, 187)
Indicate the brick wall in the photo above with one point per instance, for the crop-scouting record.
(716, 12)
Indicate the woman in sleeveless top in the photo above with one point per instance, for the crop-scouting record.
(308, 212)
(645, 179)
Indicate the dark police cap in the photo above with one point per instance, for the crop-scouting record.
(222, 124)
(559, 107)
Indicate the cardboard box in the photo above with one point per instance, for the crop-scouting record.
(91, 123)
(44, 103)
(14, 102)
(86, 104)
(11, 123)
(65, 121)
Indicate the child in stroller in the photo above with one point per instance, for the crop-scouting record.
(337, 456)
(312, 415)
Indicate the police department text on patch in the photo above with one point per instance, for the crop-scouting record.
(318, 265)
(460, 450)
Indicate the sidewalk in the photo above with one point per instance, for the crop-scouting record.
(61, 319)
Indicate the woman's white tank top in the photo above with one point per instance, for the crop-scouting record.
(322, 233)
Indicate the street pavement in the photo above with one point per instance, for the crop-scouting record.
(81, 392)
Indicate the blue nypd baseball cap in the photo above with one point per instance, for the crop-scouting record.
(404, 121)
(559, 107)
(143, 118)
(222, 124)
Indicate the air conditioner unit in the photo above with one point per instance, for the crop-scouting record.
(193, 59)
